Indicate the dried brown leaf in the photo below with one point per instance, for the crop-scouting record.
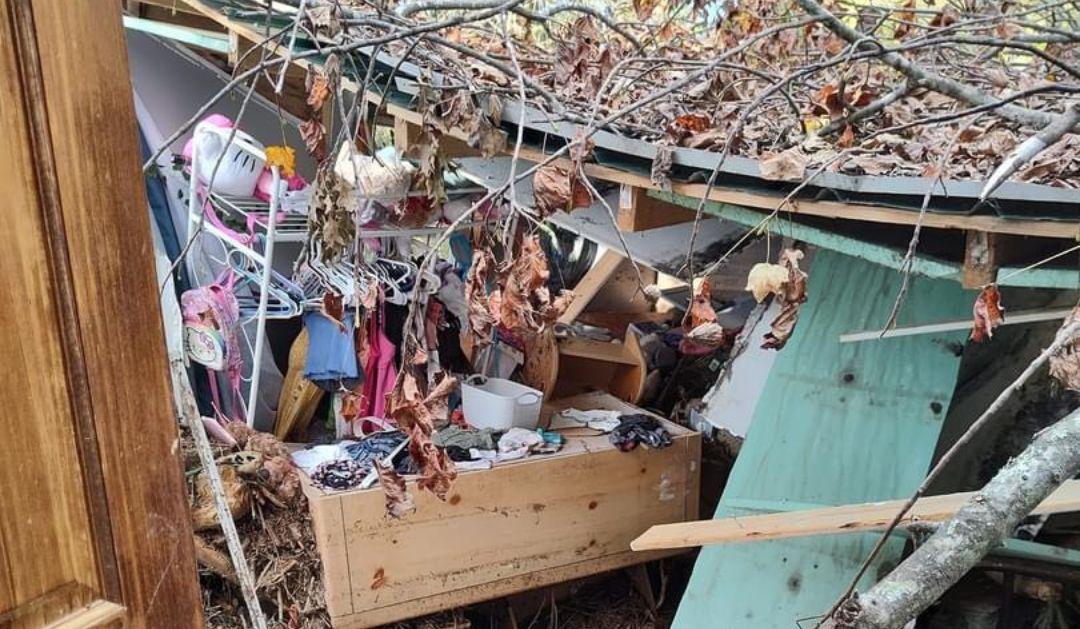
(437, 471)
(481, 321)
(787, 166)
(847, 138)
(701, 310)
(791, 299)
(987, 312)
(399, 502)
(765, 279)
(314, 136)
(325, 18)
(318, 90)
(555, 189)
(644, 9)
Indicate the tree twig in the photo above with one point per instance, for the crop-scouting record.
(909, 257)
(1031, 147)
(921, 75)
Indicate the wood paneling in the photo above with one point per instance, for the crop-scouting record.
(94, 506)
(45, 531)
(520, 525)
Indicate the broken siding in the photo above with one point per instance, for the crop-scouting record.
(836, 424)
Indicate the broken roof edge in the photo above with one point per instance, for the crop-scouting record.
(927, 266)
(635, 149)
(724, 224)
(544, 122)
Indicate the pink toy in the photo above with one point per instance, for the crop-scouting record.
(216, 120)
(265, 185)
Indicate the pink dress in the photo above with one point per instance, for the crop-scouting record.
(379, 372)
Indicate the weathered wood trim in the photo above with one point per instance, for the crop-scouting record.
(97, 614)
(100, 240)
(63, 290)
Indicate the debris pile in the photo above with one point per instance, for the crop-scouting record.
(263, 490)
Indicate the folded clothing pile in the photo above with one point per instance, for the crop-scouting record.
(639, 428)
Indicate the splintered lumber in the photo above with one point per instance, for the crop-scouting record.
(590, 284)
(828, 521)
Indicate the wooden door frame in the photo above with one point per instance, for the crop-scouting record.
(72, 61)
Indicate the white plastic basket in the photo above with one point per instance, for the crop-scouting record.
(500, 404)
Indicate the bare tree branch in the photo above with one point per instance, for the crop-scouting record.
(980, 525)
(925, 77)
(1031, 147)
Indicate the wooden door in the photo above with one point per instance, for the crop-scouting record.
(94, 527)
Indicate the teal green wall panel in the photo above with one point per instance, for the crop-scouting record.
(837, 423)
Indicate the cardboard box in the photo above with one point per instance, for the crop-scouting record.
(520, 525)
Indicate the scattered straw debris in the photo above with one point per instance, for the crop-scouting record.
(279, 543)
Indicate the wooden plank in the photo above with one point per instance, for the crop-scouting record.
(541, 368)
(116, 324)
(1015, 318)
(171, 6)
(329, 528)
(404, 134)
(622, 292)
(629, 383)
(618, 322)
(638, 211)
(830, 520)
(591, 284)
(871, 252)
(613, 352)
(97, 614)
(495, 589)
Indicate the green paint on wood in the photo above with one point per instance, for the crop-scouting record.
(878, 254)
(837, 423)
(209, 40)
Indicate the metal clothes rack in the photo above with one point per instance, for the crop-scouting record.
(194, 219)
(290, 228)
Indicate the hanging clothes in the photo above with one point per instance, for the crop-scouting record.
(380, 368)
(331, 358)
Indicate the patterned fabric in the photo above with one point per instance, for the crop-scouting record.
(338, 475)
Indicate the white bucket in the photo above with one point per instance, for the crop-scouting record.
(500, 404)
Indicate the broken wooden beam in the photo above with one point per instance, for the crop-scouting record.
(590, 284)
(827, 521)
(980, 259)
(638, 211)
